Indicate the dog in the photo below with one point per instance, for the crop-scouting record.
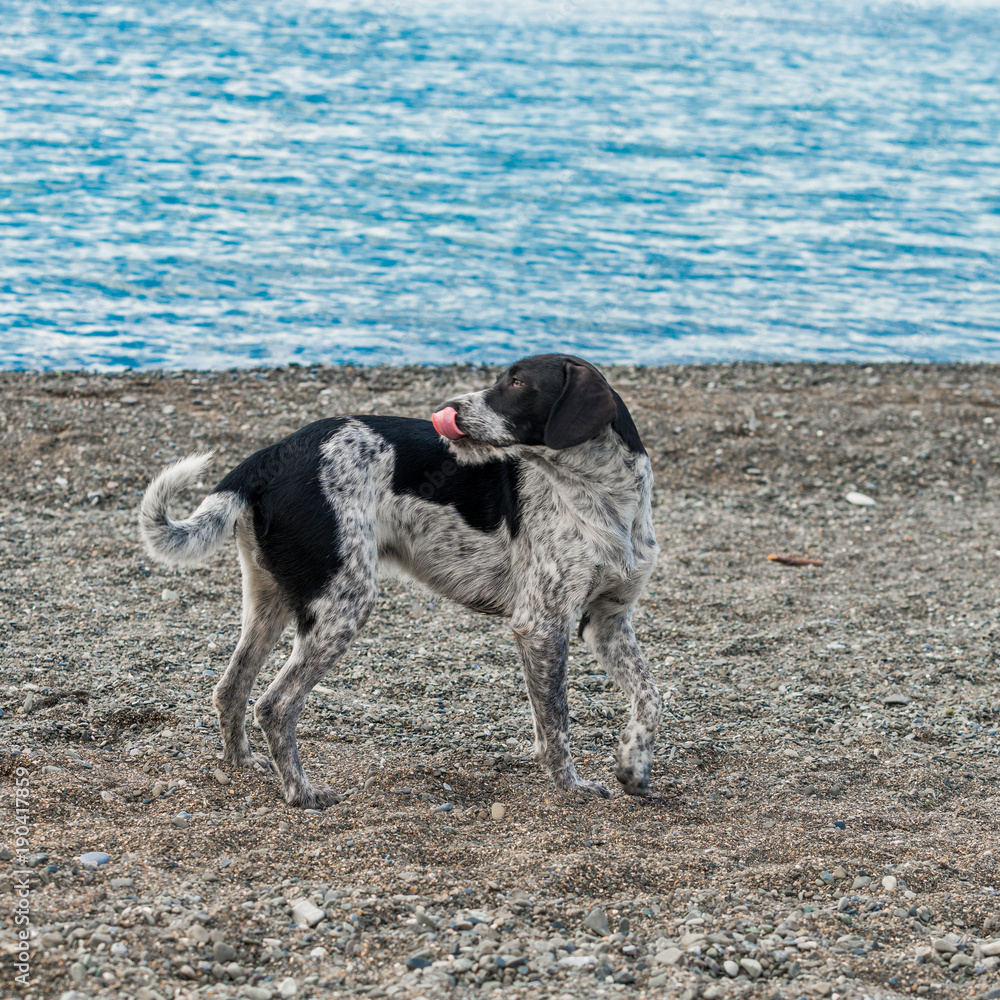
(529, 499)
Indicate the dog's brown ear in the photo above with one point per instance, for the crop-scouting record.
(584, 407)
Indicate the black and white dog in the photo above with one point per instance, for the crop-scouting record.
(530, 499)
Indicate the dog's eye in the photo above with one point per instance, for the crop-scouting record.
(516, 382)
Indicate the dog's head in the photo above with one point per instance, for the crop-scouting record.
(554, 400)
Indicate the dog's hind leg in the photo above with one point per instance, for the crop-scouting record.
(607, 630)
(543, 653)
(265, 615)
(333, 621)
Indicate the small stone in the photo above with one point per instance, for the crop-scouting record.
(118, 949)
(669, 956)
(128, 400)
(897, 699)
(597, 921)
(186, 972)
(624, 926)
(959, 960)
(77, 972)
(169, 596)
(94, 859)
(498, 810)
(577, 961)
(307, 914)
(122, 883)
(859, 500)
(889, 883)
(288, 988)
(147, 993)
(752, 967)
(944, 946)
(180, 822)
(839, 872)
(861, 882)
(732, 969)
(6, 854)
(220, 776)
(223, 952)
(990, 948)
(420, 960)
(444, 807)
(107, 796)
(657, 981)
(256, 992)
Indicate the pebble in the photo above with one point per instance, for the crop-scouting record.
(169, 596)
(220, 776)
(256, 993)
(889, 883)
(991, 948)
(732, 969)
(669, 956)
(943, 945)
(898, 699)
(577, 961)
(288, 988)
(94, 859)
(859, 499)
(307, 914)
(223, 952)
(597, 921)
(498, 810)
(752, 967)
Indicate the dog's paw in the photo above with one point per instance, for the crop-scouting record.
(594, 788)
(312, 797)
(632, 784)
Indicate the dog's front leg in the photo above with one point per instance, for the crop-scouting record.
(607, 630)
(543, 652)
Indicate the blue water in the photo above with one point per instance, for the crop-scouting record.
(198, 184)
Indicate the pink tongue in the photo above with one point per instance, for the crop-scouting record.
(444, 423)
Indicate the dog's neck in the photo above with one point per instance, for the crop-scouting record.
(602, 483)
(605, 462)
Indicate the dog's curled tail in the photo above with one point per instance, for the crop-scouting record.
(187, 542)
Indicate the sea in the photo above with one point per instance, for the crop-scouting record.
(237, 183)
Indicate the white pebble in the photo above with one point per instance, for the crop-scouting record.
(859, 500)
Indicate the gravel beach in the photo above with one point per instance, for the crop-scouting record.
(825, 819)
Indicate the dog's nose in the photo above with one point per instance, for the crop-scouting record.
(444, 423)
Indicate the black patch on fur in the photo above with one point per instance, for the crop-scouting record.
(624, 427)
(485, 496)
(296, 527)
(526, 408)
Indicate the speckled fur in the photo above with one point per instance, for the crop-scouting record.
(582, 551)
